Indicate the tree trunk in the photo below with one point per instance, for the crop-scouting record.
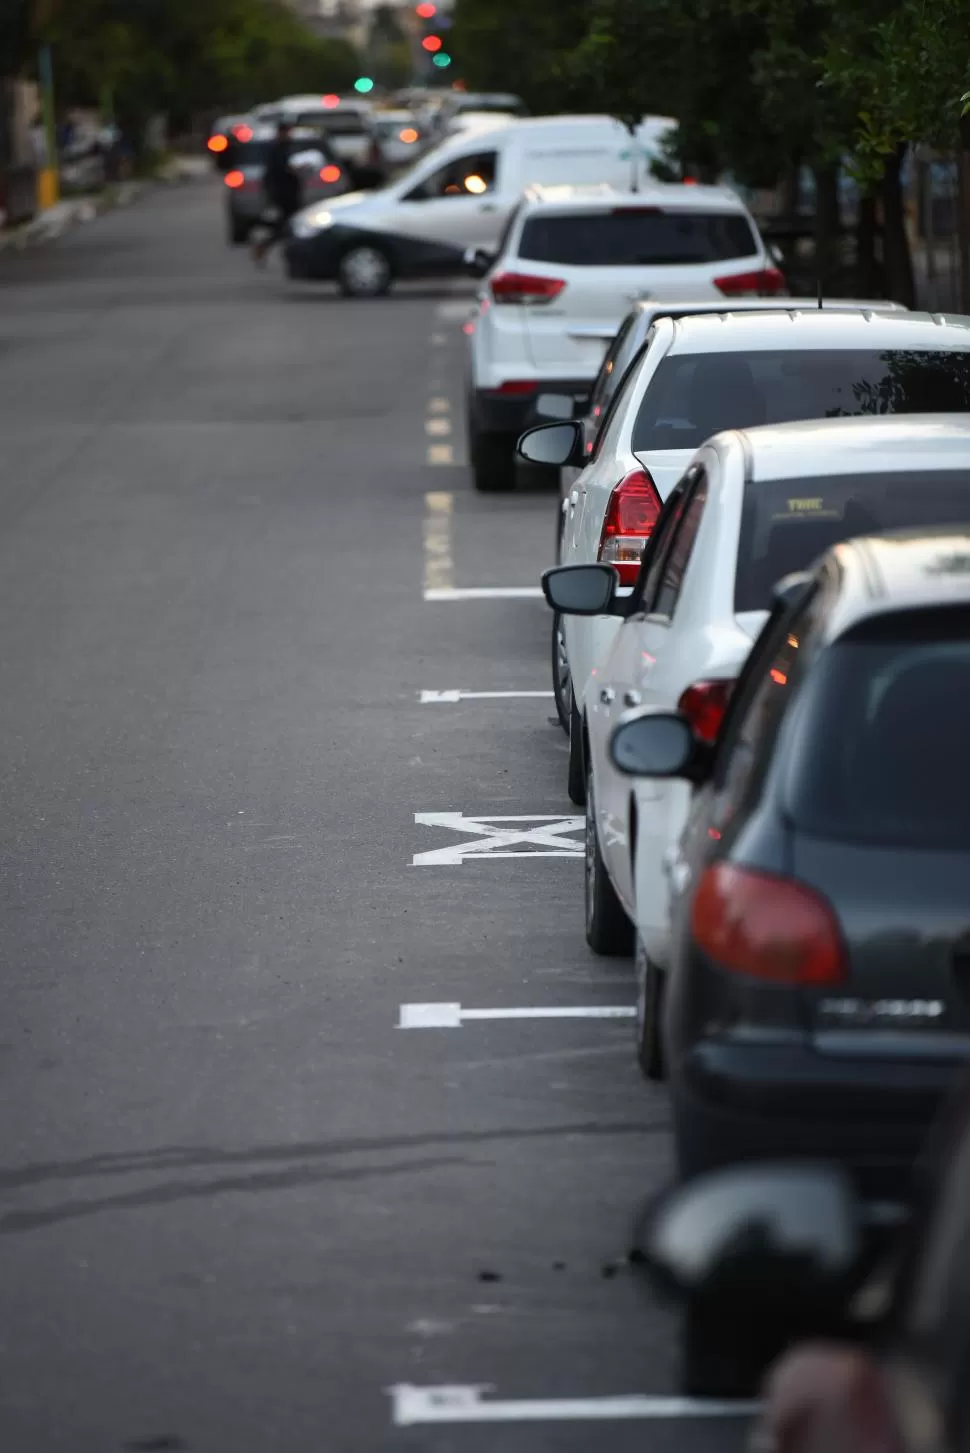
(827, 242)
(963, 214)
(900, 285)
(870, 282)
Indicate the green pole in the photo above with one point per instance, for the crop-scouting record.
(48, 187)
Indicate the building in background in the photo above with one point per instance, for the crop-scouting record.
(19, 159)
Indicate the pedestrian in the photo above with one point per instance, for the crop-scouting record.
(283, 190)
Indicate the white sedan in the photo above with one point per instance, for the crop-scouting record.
(753, 507)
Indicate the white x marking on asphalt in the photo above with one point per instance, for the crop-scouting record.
(545, 839)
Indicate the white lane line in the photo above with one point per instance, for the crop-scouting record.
(441, 454)
(438, 340)
(545, 839)
(487, 592)
(437, 428)
(439, 567)
(412, 1406)
(438, 404)
(438, 698)
(453, 1016)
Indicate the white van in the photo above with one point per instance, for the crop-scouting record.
(461, 195)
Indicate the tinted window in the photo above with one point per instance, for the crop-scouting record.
(787, 523)
(882, 748)
(256, 153)
(636, 236)
(674, 567)
(468, 176)
(349, 123)
(603, 387)
(693, 396)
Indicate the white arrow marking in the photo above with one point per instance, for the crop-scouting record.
(435, 698)
(453, 1016)
(412, 1406)
(546, 838)
(487, 592)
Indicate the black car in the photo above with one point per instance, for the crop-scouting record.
(818, 998)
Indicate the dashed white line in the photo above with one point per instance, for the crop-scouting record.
(489, 836)
(485, 592)
(453, 1016)
(438, 404)
(438, 557)
(451, 696)
(413, 1406)
(441, 454)
(437, 428)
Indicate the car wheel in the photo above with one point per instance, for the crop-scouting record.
(364, 272)
(239, 229)
(720, 1358)
(562, 682)
(493, 462)
(650, 992)
(576, 776)
(608, 930)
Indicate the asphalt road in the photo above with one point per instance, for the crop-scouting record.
(238, 1203)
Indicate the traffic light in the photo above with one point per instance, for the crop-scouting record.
(442, 59)
(363, 84)
(432, 43)
(426, 11)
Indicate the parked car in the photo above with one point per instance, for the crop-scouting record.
(460, 195)
(349, 125)
(323, 174)
(874, 1296)
(572, 261)
(699, 375)
(816, 997)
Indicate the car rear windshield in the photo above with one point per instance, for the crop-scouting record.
(881, 753)
(693, 396)
(256, 153)
(337, 123)
(787, 523)
(636, 237)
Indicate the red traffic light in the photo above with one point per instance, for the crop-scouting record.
(426, 10)
(432, 43)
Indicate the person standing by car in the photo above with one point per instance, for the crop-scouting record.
(283, 190)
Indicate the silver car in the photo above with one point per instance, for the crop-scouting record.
(321, 170)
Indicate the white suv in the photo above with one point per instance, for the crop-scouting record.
(572, 261)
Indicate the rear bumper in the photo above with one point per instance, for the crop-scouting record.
(735, 1102)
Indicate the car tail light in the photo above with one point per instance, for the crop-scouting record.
(769, 928)
(234, 180)
(631, 514)
(330, 173)
(408, 135)
(520, 288)
(218, 143)
(243, 133)
(516, 386)
(767, 280)
(704, 705)
(330, 101)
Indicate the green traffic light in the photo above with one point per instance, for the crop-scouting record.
(441, 59)
(364, 84)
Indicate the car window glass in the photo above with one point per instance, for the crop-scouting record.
(663, 601)
(508, 229)
(615, 408)
(608, 368)
(636, 236)
(465, 176)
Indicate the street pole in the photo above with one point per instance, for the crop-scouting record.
(48, 180)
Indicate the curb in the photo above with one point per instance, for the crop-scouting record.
(75, 211)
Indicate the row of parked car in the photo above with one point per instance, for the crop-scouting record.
(760, 651)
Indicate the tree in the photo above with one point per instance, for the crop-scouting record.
(503, 45)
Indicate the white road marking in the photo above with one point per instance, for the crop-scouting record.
(453, 1016)
(545, 838)
(438, 404)
(439, 567)
(412, 1406)
(437, 428)
(487, 592)
(436, 698)
(438, 339)
(441, 454)
(455, 312)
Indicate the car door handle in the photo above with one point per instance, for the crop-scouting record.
(607, 695)
(632, 698)
(488, 207)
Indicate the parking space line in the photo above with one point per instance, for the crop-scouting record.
(438, 556)
(487, 837)
(438, 404)
(450, 697)
(441, 454)
(453, 1016)
(437, 428)
(485, 592)
(413, 1406)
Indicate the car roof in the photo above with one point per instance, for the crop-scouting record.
(902, 570)
(864, 444)
(594, 195)
(788, 327)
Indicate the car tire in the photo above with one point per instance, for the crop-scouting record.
(364, 271)
(562, 684)
(651, 983)
(576, 773)
(720, 1358)
(238, 231)
(608, 930)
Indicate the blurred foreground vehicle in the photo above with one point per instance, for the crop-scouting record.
(459, 196)
(698, 376)
(884, 1300)
(572, 261)
(350, 128)
(322, 173)
(817, 1000)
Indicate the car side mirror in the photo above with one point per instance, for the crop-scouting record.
(478, 261)
(787, 1235)
(553, 444)
(583, 590)
(658, 743)
(555, 406)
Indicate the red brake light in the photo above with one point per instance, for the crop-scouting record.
(704, 705)
(770, 928)
(234, 180)
(767, 281)
(218, 143)
(631, 514)
(330, 101)
(520, 288)
(517, 386)
(330, 174)
(243, 133)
